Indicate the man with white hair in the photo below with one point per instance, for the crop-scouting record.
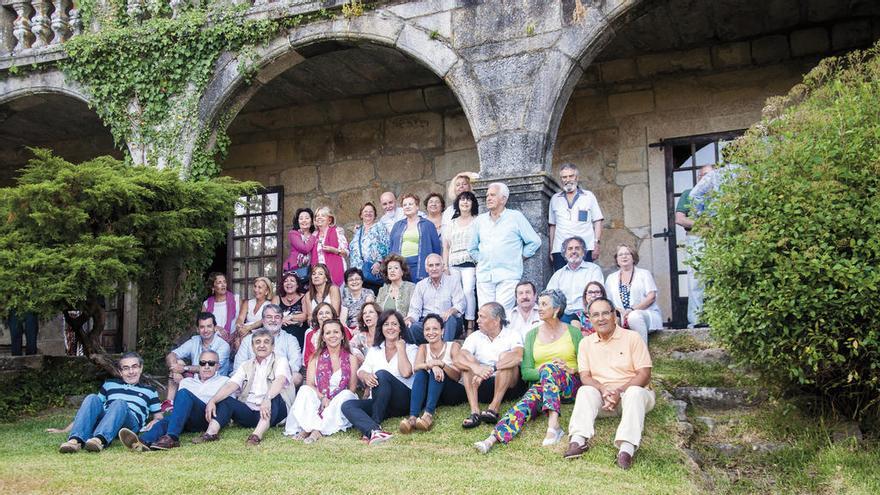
(574, 212)
(502, 239)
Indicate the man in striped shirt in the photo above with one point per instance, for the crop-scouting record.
(120, 403)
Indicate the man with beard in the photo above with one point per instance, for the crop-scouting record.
(574, 276)
(286, 345)
(573, 212)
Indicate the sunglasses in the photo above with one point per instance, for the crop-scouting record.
(207, 363)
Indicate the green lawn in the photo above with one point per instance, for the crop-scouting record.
(441, 461)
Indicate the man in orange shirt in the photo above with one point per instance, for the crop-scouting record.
(615, 370)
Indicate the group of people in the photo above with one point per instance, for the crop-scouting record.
(353, 342)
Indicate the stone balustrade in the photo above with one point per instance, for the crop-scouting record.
(31, 28)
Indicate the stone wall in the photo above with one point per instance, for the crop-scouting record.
(346, 152)
(621, 106)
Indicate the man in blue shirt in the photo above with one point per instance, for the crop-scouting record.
(120, 403)
(183, 361)
(502, 238)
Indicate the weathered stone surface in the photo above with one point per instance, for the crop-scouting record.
(635, 205)
(851, 34)
(505, 19)
(451, 163)
(439, 24)
(349, 174)
(414, 131)
(316, 144)
(632, 159)
(705, 356)
(253, 154)
(440, 98)
(433, 53)
(377, 105)
(636, 102)
(719, 398)
(508, 71)
(732, 54)
(847, 431)
(809, 41)
(619, 70)
(728, 449)
(706, 421)
(400, 168)
(664, 63)
(349, 204)
(627, 178)
(770, 49)
(456, 132)
(299, 180)
(357, 139)
(510, 154)
(407, 101)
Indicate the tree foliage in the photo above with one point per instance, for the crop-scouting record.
(792, 254)
(71, 234)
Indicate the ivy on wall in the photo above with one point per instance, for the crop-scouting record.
(145, 78)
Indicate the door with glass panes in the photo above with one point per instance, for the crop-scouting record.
(256, 240)
(684, 157)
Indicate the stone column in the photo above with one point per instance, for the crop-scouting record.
(530, 194)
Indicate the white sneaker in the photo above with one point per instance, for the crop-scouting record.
(553, 440)
(379, 436)
(484, 447)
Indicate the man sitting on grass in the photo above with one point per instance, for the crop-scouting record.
(265, 393)
(188, 413)
(120, 403)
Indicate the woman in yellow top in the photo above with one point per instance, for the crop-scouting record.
(550, 364)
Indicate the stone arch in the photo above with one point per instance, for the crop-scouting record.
(40, 83)
(228, 91)
(573, 53)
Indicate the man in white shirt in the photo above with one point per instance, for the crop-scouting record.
(524, 316)
(265, 393)
(189, 409)
(189, 352)
(572, 278)
(393, 212)
(285, 346)
(489, 363)
(573, 212)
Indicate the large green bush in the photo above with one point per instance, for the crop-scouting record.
(792, 249)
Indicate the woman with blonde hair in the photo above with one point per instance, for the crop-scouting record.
(463, 181)
(250, 316)
(331, 247)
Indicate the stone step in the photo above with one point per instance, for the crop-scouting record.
(718, 397)
(705, 356)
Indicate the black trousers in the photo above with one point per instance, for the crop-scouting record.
(390, 399)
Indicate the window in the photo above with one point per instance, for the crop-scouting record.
(255, 243)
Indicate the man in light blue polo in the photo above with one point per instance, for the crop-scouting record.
(574, 276)
(184, 360)
(502, 239)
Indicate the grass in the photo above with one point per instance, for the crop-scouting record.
(441, 461)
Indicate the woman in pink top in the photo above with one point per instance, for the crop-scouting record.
(302, 240)
(331, 247)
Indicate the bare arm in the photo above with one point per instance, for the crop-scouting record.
(335, 298)
(60, 430)
(682, 219)
(551, 233)
(510, 359)
(597, 231)
(421, 356)
(353, 363)
(310, 373)
(403, 365)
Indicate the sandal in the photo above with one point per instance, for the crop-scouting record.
(425, 422)
(471, 421)
(489, 417)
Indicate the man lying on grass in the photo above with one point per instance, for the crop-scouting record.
(188, 413)
(120, 403)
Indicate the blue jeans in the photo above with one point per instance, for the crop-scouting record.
(232, 408)
(93, 420)
(188, 415)
(413, 263)
(428, 391)
(451, 328)
(390, 398)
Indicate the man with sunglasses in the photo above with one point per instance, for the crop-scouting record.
(121, 402)
(189, 352)
(189, 409)
(615, 372)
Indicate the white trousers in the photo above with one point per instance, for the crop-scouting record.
(303, 415)
(635, 402)
(504, 293)
(468, 284)
(695, 286)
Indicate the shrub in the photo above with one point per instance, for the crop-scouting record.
(793, 245)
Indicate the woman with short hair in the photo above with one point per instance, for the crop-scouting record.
(414, 238)
(550, 365)
(331, 247)
(397, 291)
(634, 293)
(369, 246)
(434, 206)
(354, 296)
(302, 239)
(593, 290)
(330, 382)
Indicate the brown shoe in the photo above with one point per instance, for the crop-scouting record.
(425, 422)
(131, 441)
(624, 460)
(94, 444)
(205, 437)
(69, 447)
(253, 441)
(165, 442)
(576, 450)
(407, 425)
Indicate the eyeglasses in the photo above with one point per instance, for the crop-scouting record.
(207, 363)
(594, 292)
(603, 314)
(133, 367)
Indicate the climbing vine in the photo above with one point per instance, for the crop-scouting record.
(145, 78)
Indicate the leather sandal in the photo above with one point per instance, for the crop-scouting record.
(253, 441)
(489, 416)
(471, 421)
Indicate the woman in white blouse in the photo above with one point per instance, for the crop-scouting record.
(634, 293)
(388, 370)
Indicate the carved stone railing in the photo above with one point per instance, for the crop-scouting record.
(32, 31)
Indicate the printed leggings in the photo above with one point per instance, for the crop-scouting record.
(546, 394)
